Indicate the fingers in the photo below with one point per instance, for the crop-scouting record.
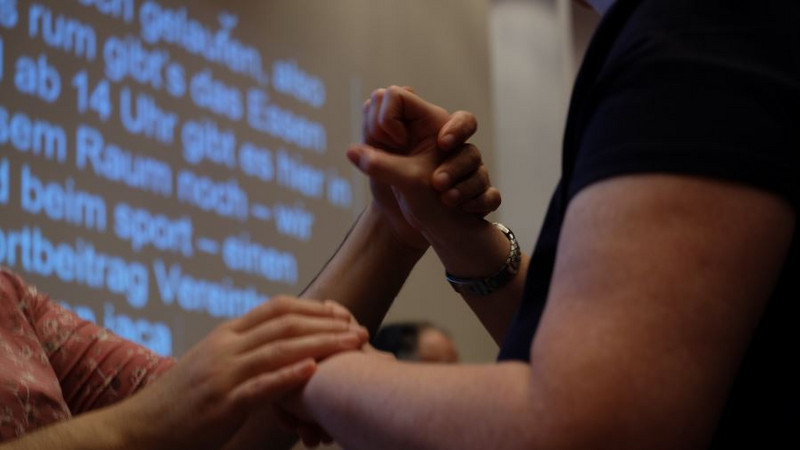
(464, 181)
(384, 167)
(312, 435)
(290, 326)
(467, 189)
(271, 385)
(287, 351)
(374, 133)
(459, 165)
(281, 305)
(390, 116)
(483, 204)
(457, 130)
(339, 310)
(389, 113)
(372, 351)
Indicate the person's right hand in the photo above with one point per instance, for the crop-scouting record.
(242, 365)
(398, 121)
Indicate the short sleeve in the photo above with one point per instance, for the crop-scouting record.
(713, 103)
(94, 367)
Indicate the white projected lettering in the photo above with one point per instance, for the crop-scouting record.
(174, 26)
(62, 32)
(242, 255)
(298, 176)
(119, 165)
(155, 335)
(278, 122)
(61, 202)
(203, 140)
(216, 96)
(95, 98)
(36, 77)
(39, 137)
(8, 13)
(5, 181)
(217, 298)
(77, 262)
(141, 115)
(291, 80)
(127, 58)
(162, 165)
(118, 9)
(225, 198)
(143, 228)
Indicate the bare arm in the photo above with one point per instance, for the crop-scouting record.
(368, 270)
(468, 245)
(420, 201)
(658, 285)
(205, 397)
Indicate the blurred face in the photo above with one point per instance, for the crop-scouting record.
(435, 346)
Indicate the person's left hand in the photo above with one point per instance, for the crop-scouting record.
(398, 121)
(270, 427)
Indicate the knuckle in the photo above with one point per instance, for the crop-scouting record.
(394, 90)
(280, 304)
(483, 179)
(474, 156)
(468, 124)
(265, 358)
(293, 325)
(493, 199)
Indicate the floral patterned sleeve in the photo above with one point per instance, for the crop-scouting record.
(94, 367)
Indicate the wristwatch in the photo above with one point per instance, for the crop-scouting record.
(487, 285)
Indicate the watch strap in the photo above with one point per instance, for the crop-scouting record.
(487, 285)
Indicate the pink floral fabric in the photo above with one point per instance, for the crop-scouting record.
(54, 365)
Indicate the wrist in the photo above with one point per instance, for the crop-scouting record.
(486, 285)
(322, 395)
(132, 424)
(111, 427)
(383, 233)
(473, 249)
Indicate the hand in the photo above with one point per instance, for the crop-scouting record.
(294, 418)
(397, 120)
(242, 365)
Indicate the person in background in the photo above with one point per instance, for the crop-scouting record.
(416, 341)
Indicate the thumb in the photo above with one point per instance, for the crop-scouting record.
(385, 167)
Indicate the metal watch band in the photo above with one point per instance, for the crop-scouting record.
(487, 285)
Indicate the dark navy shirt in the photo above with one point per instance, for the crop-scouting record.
(709, 88)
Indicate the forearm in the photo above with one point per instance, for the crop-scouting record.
(366, 402)
(262, 431)
(474, 249)
(101, 430)
(367, 271)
